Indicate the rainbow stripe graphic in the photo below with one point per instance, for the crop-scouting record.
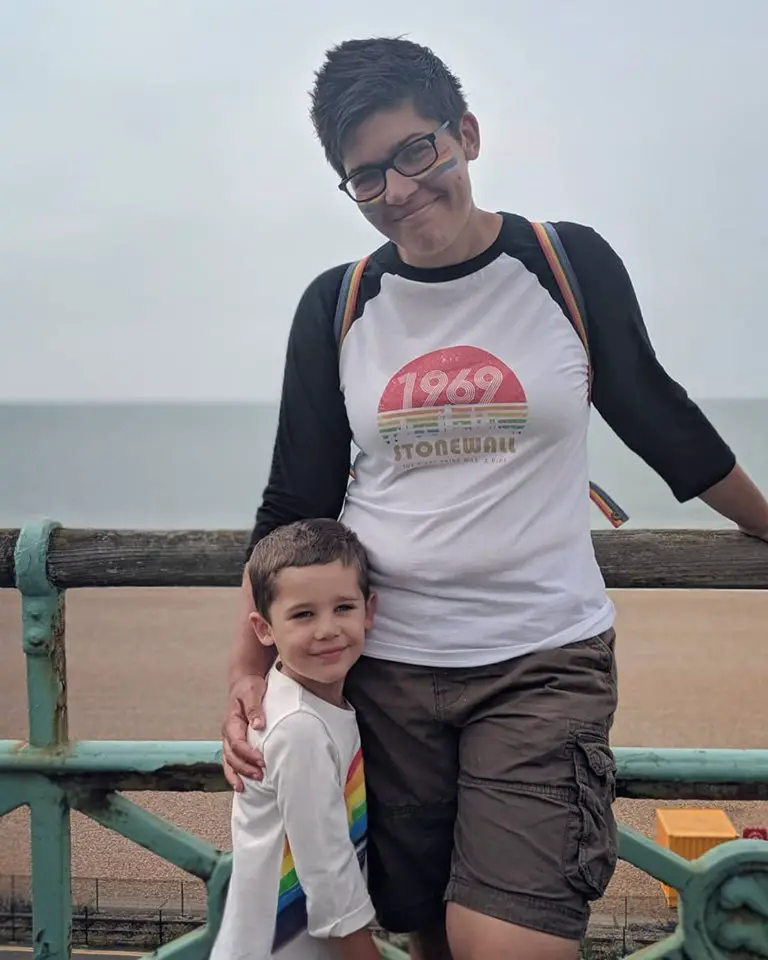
(607, 505)
(291, 901)
(429, 422)
(357, 808)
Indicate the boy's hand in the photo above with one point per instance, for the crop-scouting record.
(244, 708)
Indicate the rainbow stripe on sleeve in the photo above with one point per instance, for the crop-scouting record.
(357, 809)
(291, 903)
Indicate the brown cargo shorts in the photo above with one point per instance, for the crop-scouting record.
(491, 786)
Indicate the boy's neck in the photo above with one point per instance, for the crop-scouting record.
(332, 693)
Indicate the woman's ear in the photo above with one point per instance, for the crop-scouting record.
(469, 129)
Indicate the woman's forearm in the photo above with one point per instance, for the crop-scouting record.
(737, 498)
(359, 945)
(247, 657)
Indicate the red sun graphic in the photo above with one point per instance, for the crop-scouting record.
(453, 376)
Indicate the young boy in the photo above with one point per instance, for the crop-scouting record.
(297, 890)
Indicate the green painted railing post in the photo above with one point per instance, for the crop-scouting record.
(43, 639)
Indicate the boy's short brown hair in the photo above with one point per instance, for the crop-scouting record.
(303, 543)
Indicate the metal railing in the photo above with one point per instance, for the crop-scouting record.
(723, 911)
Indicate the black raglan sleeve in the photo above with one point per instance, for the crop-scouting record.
(311, 454)
(632, 391)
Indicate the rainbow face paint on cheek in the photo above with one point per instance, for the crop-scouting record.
(438, 170)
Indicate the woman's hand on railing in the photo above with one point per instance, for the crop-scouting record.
(244, 709)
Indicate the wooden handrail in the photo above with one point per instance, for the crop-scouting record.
(636, 559)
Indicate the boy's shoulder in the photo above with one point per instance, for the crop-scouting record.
(283, 699)
(303, 736)
(291, 710)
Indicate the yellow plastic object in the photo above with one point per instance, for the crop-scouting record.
(690, 833)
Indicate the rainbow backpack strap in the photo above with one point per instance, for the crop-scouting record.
(565, 276)
(345, 305)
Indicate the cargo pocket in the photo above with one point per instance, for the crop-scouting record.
(591, 842)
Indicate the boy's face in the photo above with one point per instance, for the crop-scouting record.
(318, 622)
(423, 214)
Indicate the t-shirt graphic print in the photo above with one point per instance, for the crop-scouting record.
(453, 405)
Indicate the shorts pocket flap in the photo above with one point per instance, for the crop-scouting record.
(591, 841)
(599, 757)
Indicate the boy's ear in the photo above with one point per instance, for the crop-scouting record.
(262, 629)
(370, 610)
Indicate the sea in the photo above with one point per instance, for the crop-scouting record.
(204, 465)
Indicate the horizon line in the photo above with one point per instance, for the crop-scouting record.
(229, 401)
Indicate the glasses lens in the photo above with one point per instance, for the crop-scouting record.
(415, 157)
(366, 185)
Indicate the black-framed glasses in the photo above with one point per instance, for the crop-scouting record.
(415, 157)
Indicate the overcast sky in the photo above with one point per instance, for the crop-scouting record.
(163, 201)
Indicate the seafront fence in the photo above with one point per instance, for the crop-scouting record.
(723, 895)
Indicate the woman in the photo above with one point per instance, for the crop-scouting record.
(488, 688)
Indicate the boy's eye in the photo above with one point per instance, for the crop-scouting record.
(345, 607)
(302, 615)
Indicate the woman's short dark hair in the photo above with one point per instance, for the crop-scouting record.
(361, 77)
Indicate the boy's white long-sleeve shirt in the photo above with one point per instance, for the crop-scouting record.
(299, 835)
